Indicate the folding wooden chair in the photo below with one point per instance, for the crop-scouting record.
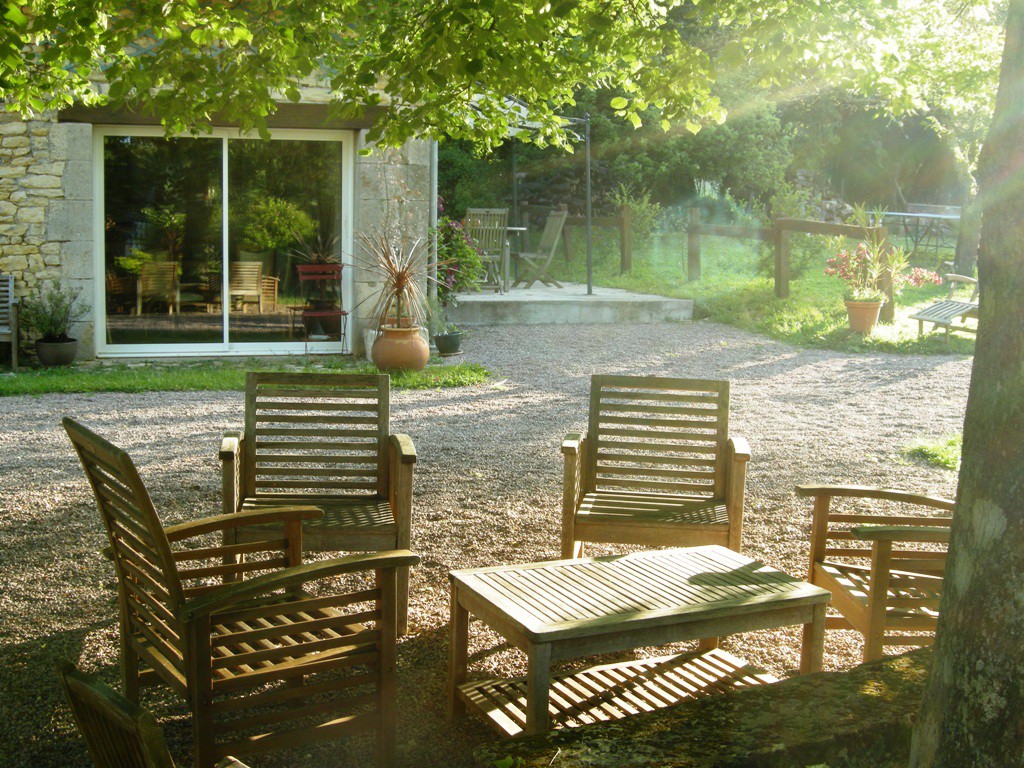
(537, 264)
(488, 229)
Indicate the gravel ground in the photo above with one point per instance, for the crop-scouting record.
(487, 491)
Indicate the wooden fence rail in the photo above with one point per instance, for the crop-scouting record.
(780, 234)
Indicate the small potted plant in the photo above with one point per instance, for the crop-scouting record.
(51, 313)
(447, 336)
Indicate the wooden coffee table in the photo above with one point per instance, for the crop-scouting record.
(567, 609)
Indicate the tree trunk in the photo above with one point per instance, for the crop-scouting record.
(968, 237)
(972, 713)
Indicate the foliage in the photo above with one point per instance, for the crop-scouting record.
(269, 223)
(166, 228)
(444, 68)
(942, 453)
(401, 267)
(133, 262)
(645, 213)
(52, 311)
(459, 265)
(217, 375)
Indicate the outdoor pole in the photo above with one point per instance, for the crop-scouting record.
(515, 188)
(590, 266)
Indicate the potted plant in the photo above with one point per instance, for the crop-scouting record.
(268, 225)
(402, 270)
(51, 313)
(866, 271)
(460, 267)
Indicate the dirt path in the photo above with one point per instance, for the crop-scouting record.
(487, 492)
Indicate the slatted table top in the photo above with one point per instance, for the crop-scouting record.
(563, 599)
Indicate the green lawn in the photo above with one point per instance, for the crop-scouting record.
(732, 291)
(213, 375)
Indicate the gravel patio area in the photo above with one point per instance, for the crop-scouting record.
(487, 491)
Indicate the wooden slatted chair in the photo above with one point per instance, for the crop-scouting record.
(538, 263)
(324, 440)
(158, 282)
(883, 583)
(117, 733)
(488, 229)
(245, 283)
(950, 313)
(9, 317)
(261, 664)
(657, 466)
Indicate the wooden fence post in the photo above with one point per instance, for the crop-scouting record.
(693, 246)
(782, 246)
(625, 239)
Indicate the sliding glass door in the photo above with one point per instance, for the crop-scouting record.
(203, 242)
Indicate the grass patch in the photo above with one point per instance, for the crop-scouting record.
(214, 375)
(732, 290)
(941, 453)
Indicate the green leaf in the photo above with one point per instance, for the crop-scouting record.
(15, 16)
(619, 103)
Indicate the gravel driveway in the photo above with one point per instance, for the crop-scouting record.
(487, 491)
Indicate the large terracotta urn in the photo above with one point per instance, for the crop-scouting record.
(400, 349)
(863, 315)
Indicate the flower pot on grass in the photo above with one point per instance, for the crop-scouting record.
(53, 353)
(448, 343)
(863, 315)
(400, 349)
(50, 313)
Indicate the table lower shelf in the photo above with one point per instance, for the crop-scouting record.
(613, 691)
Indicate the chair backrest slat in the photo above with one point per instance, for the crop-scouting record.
(658, 435)
(148, 580)
(552, 231)
(6, 300)
(116, 732)
(157, 279)
(324, 434)
(487, 228)
(244, 278)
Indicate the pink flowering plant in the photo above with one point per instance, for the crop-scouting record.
(459, 266)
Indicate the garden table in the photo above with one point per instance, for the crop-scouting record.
(568, 609)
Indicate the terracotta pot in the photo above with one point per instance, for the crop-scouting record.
(400, 349)
(53, 353)
(863, 315)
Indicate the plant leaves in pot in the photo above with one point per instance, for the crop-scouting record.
(50, 313)
(401, 267)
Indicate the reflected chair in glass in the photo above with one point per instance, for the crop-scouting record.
(157, 283)
(245, 284)
(262, 664)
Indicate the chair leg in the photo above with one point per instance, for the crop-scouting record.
(403, 601)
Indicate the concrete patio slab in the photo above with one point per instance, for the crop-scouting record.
(542, 305)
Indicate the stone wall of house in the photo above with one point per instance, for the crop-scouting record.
(393, 196)
(46, 208)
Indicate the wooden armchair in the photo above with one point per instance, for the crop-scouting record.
(883, 584)
(245, 284)
(657, 466)
(9, 317)
(951, 313)
(261, 664)
(158, 282)
(488, 229)
(117, 733)
(537, 264)
(324, 440)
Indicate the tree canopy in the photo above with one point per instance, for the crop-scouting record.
(443, 68)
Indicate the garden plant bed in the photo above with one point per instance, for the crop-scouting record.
(487, 491)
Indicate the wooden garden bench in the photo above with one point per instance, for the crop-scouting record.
(951, 313)
(884, 569)
(9, 317)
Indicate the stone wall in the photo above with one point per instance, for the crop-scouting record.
(46, 208)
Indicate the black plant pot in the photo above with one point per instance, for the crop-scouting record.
(448, 343)
(52, 353)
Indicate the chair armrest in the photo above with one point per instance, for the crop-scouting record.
(739, 448)
(572, 443)
(913, 533)
(953, 278)
(290, 578)
(871, 492)
(230, 445)
(404, 449)
(239, 519)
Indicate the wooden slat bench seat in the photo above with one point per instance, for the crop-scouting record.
(951, 314)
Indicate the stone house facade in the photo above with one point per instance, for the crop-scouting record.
(64, 215)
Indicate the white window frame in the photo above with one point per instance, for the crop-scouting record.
(347, 139)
